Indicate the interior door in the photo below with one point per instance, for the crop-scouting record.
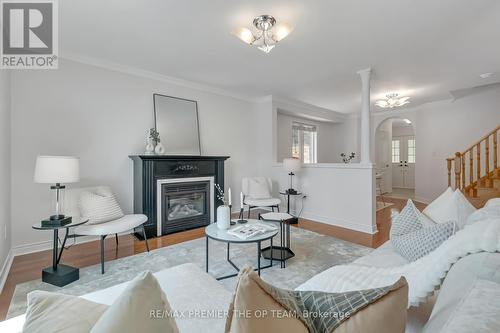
(403, 161)
(397, 163)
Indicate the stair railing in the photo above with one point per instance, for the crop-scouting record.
(482, 162)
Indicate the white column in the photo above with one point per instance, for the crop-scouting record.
(365, 116)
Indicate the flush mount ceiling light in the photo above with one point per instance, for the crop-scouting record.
(267, 35)
(392, 101)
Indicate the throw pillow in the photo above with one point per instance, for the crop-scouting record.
(406, 221)
(142, 307)
(416, 244)
(260, 307)
(450, 206)
(54, 312)
(99, 206)
(258, 188)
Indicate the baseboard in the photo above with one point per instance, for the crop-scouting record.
(6, 269)
(338, 222)
(20, 250)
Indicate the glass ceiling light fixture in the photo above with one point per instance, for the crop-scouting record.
(267, 35)
(392, 101)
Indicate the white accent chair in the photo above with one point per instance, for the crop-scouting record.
(123, 224)
(255, 198)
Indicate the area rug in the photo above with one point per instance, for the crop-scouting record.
(314, 253)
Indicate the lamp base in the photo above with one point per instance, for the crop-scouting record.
(61, 276)
(291, 191)
(57, 217)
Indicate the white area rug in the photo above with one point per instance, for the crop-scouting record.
(314, 253)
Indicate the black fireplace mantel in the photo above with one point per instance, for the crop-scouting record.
(149, 168)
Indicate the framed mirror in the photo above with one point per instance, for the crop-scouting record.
(176, 120)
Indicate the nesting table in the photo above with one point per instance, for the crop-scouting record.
(216, 234)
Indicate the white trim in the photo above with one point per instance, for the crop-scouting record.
(7, 264)
(339, 222)
(154, 76)
(159, 182)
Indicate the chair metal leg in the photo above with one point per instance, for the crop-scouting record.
(116, 237)
(278, 207)
(145, 237)
(102, 254)
(272, 208)
(249, 207)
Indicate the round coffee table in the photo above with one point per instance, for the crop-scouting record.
(59, 274)
(213, 232)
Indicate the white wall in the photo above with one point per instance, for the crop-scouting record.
(102, 116)
(330, 138)
(337, 194)
(5, 167)
(442, 128)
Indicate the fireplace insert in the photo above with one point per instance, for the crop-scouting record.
(184, 205)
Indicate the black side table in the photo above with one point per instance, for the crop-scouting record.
(59, 274)
(288, 195)
(283, 252)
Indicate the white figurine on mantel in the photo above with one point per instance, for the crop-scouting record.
(159, 149)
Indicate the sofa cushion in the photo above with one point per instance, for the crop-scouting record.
(459, 279)
(260, 307)
(99, 206)
(414, 245)
(141, 307)
(383, 256)
(55, 312)
(478, 310)
(189, 290)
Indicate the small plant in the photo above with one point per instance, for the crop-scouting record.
(347, 159)
(220, 193)
(154, 136)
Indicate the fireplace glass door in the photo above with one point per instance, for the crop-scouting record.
(185, 206)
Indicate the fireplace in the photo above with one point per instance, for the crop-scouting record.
(176, 192)
(184, 203)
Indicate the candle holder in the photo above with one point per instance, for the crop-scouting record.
(230, 212)
(240, 218)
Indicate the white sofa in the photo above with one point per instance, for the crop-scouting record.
(204, 301)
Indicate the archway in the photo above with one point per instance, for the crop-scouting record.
(395, 158)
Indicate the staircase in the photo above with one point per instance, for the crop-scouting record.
(476, 170)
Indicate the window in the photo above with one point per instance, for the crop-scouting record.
(396, 155)
(411, 151)
(304, 142)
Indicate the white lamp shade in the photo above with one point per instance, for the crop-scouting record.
(57, 169)
(292, 164)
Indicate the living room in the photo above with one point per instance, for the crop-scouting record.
(283, 108)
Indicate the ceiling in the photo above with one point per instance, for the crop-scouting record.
(423, 49)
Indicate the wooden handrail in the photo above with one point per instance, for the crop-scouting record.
(482, 174)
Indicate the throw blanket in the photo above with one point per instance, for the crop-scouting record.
(423, 275)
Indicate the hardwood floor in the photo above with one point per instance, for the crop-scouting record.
(28, 267)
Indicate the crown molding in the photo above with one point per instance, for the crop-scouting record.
(112, 66)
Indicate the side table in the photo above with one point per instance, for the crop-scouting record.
(59, 274)
(288, 195)
(283, 252)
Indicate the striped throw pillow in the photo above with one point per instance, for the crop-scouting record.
(99, 206)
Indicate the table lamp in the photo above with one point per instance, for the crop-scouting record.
(291, 165)
(57, 170)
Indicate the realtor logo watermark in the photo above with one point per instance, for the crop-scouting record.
(29, 34)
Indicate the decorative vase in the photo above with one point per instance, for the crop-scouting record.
(150, 147)
(159, 150)
(223, 217)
